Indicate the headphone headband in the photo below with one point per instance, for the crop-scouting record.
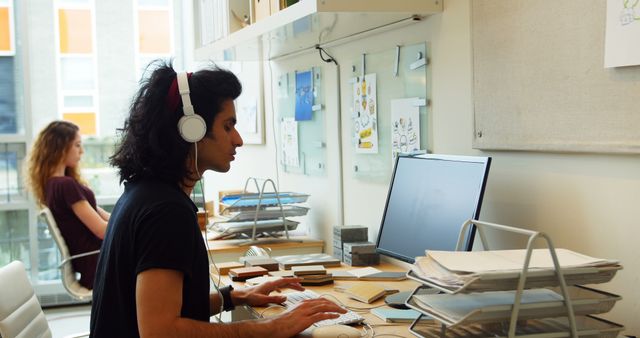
(191, 126)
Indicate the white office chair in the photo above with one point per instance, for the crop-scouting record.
(20, 313)
(69, 279)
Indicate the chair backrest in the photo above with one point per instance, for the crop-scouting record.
(69, 280)
(20, 312)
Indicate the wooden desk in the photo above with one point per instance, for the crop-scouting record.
(400, 329)
(232, 249)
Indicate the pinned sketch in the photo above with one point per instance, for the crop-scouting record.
(247, 114)
(304, 95)
(289, 139)
(365, 117)
(405, 126)
(622, 37)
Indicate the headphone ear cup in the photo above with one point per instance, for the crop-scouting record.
(192, 128)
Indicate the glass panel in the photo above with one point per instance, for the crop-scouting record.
(73, 101)
(311, 129)
(86, 122)
(155, 33)
(5, 30)
(12, 188)
(75, 30)
(153, 3)
(14, 237)
(409, 83)
(77, 73)
(8, 114)
(74, 2)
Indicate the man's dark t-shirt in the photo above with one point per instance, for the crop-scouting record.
(60, 193)
(153, 225)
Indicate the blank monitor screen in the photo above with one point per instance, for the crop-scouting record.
(429, 199)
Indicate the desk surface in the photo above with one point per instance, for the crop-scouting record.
(399, 329)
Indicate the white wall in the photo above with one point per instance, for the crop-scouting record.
(586, 202)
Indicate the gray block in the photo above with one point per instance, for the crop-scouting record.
(358, 247)
(362, 259)
(351, 233)
(337, 253)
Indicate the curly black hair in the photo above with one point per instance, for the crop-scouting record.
(150, 144)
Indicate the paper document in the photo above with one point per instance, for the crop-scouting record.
(364, 271)
(505, 260)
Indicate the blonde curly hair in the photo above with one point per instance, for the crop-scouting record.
(49, 150)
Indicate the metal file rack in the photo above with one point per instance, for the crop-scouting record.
(565, 312)
(262, 214)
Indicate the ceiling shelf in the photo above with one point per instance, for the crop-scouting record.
(314, 22)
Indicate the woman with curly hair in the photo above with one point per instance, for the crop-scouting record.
(54, 178)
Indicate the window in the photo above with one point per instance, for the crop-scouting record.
(154, 31)
(77, 71)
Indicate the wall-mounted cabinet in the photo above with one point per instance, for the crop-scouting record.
(306, 24)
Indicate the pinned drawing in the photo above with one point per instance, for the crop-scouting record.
(405, 126)
(365, 114)
(289, 139)
(304, 95)
(622, 33)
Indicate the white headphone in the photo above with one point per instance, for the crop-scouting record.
(191, 126)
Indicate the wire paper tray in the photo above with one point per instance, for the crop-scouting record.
(535, 279)
(273, 212)
(467, 309)
(251, 200)
(587, 327)
(228, 228)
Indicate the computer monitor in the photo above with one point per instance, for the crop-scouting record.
(430, 197)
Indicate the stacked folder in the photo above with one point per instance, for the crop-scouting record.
(312, 275)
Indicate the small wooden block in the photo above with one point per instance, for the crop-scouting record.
(242, 274)
(223, 268)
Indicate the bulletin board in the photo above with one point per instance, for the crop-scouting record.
(540, 82)
(310, 134)
(409, 81)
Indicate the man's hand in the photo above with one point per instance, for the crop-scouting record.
(259, 295)
(303, 315)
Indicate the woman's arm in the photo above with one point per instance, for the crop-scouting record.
(90, 217)
(103, 214)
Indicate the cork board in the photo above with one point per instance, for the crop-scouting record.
(539, 81)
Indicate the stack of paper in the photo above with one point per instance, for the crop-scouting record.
(486, 269)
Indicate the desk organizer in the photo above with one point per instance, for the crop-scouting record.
(531, 302)
(261, 215)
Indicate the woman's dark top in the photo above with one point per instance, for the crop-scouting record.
(60, 194)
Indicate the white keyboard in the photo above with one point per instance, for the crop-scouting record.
(350, 317)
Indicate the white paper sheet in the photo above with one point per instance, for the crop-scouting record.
(622, 36)
(405, 126)
(365, 114)
(289, 138)
(505, 260)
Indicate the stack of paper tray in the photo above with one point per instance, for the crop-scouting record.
(246, 227)
(587, 327)
(535, 279)
(496, 306)
(272, 212)
(251, 200)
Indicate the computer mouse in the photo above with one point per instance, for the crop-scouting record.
(336, 331)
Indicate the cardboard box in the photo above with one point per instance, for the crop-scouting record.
(261, 9)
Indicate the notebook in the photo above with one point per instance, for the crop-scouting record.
(390, 315)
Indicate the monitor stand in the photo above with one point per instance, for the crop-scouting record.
(397, 300)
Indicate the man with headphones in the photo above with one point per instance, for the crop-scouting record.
(153, 272)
